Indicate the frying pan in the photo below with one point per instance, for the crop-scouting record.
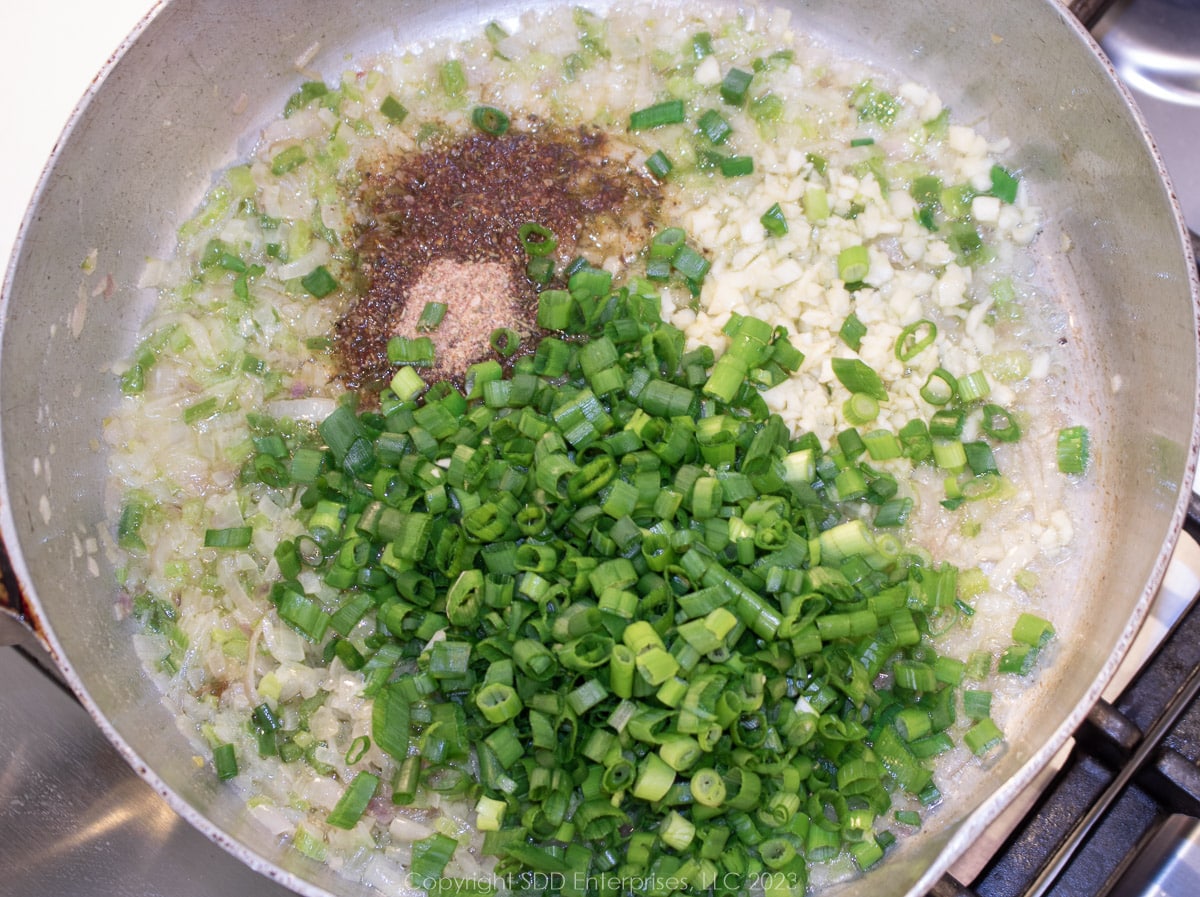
(186, 96)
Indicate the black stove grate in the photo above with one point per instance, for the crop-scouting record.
(1155, 720)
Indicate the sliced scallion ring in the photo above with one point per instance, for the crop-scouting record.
(915, 339)
(490, 120)
(536, 239)
(940, 387)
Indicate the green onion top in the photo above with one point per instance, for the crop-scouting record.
(775, 221)
(605, 595)
(490, 120)
(319, 282)
(735, 86)
(668, 112)
(393, 110)
(431, 316)
(1073, 449)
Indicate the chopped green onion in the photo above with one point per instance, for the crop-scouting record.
(393, 110)
(319, 282)
(927, 190)
(490, 120)
(736, 166)
(431, 316)
(353, 802)
(225, 762)
(309, 845)
(390, 720)
(915, 339)
(816, 204)
(264, 718)
(949, 455)
(406, 384)
(708, 787)
(980, 458)
(857, 376)
(309, 91)
(916, 442)
(735, 86)
(1004, 184)
(406, 783)
(853, 264)
(912, 723)
(893, 512)
(452, 77)
(774, 221)
(882, 445)
(690, 263)
(957, 200)
(659, 165)
(940, 387)
(977, 705)
(540, 270)
(505, 341)
(654, 779)
(1032, 630)
(860, 408)
(979, 665)
(288, 160)
(852, 331)
(1018, 659)
(495, 33)
(489, 814)
(1072, 449)
(536, 239)
(608, 597)
(417, 351)
(498, 702)
(999, 424)
(915, 676)
(554, 309)
(429, 858)
(714, 126)
(983, 737)
(669, 112)
(230, 537)
(766, 108)
(676, 831)
(666, 243)
(973, 387)
(303, 614)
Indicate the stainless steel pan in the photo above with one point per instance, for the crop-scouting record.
(138, 155)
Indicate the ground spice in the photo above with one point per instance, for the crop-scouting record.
(441, 225)
(478, 298)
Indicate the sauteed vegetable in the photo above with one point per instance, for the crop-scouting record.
(627, 611)
(671, 524)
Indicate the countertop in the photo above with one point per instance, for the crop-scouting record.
(54, 51)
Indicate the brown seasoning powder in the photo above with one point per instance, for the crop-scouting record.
(441, 225)
(478, 300)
